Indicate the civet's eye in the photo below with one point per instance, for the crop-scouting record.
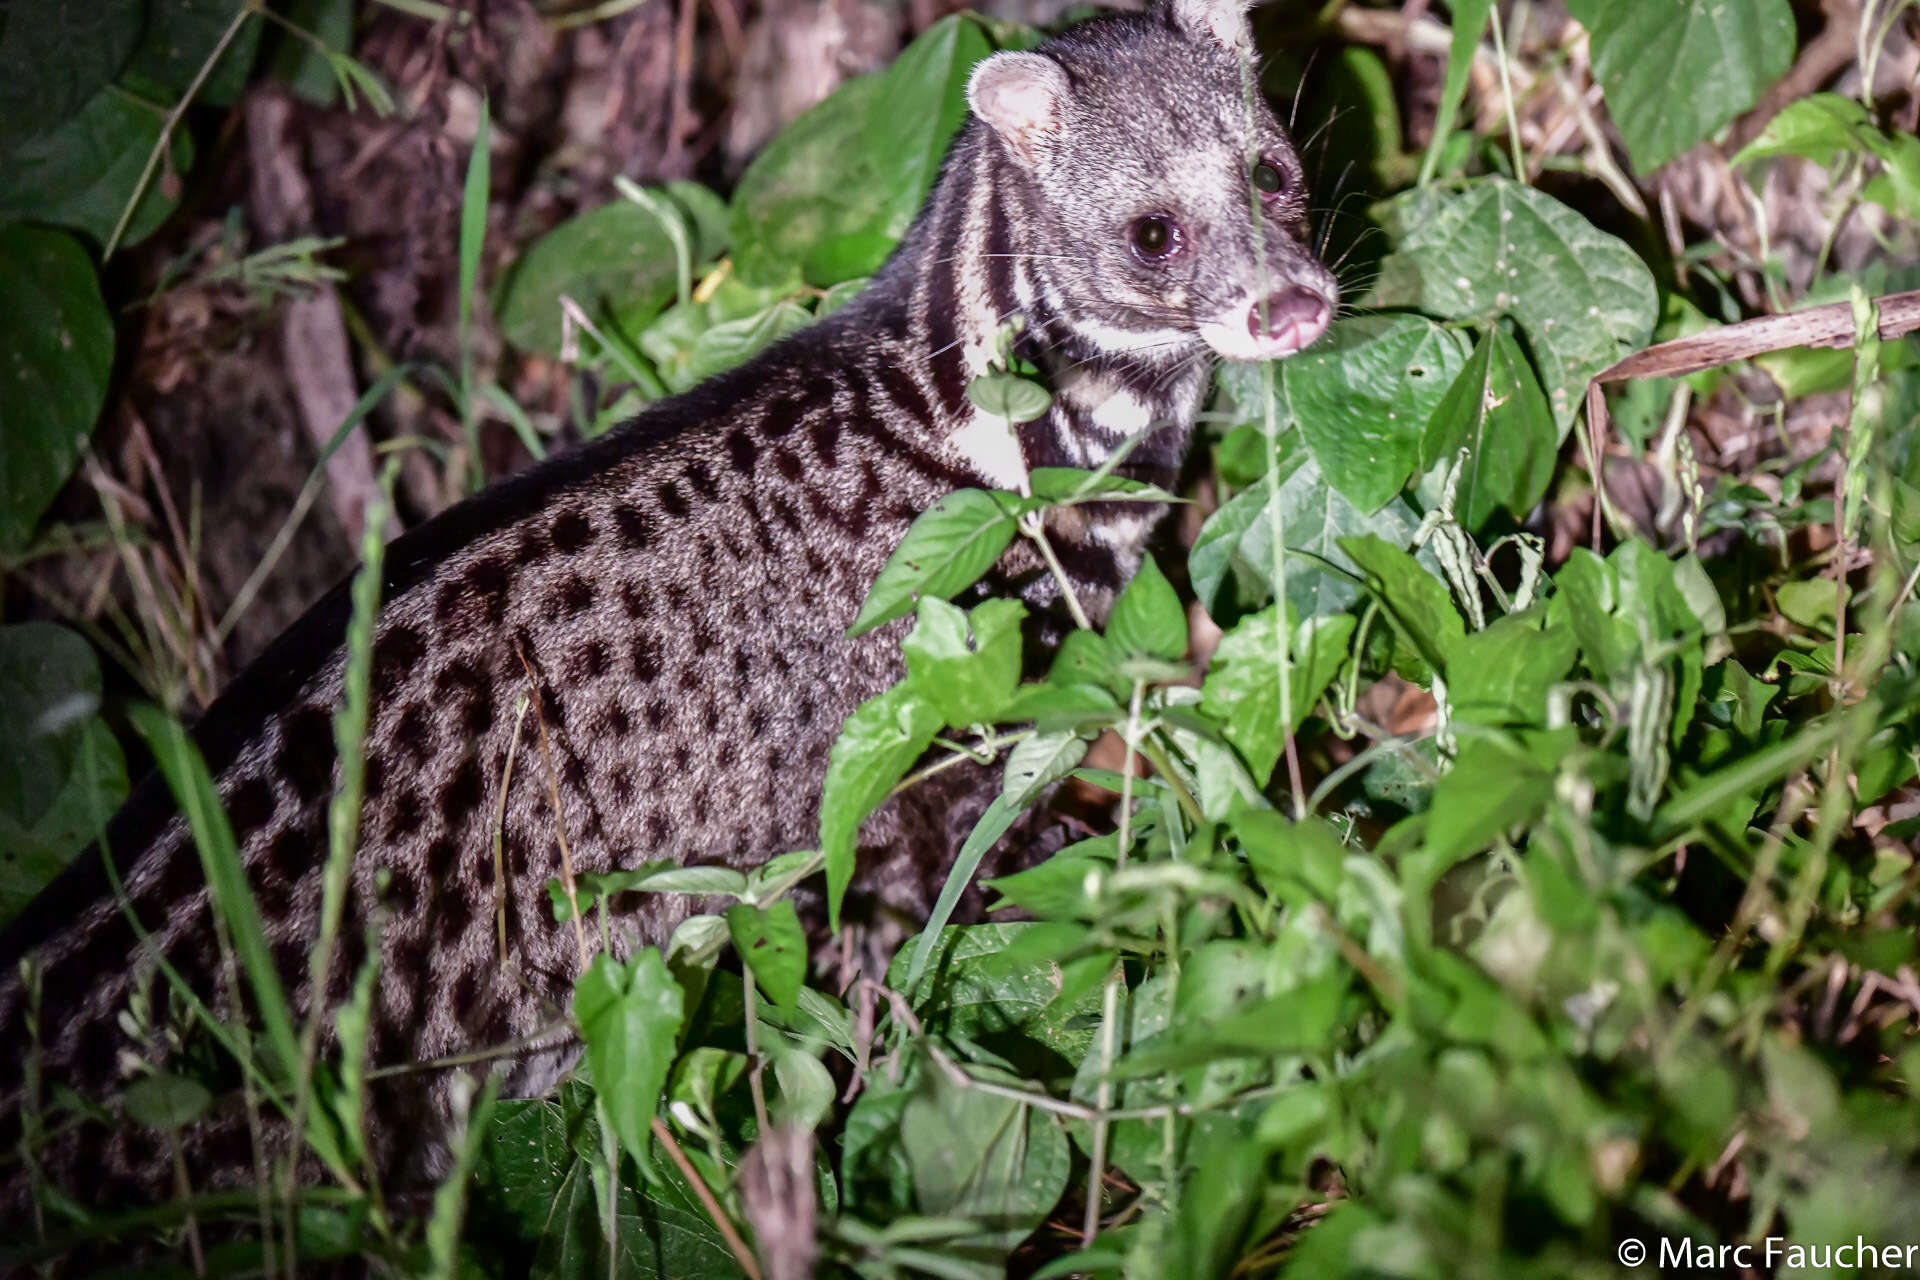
(1155, 236)
(1268, 178)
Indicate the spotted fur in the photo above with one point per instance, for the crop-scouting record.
(671, 602)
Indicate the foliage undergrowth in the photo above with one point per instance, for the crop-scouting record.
(1616, 942)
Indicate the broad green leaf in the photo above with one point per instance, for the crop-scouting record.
(82, 172)
(179, 37)
(1497, 412)
(877, 745)
(1582, 298)
(1009, 396)
(1237, 543)
(62, 775)
(534, 1190)
(1147, 619)
(834, 190)
(984, 1157)
(982, 987)
(58, 55)
(1675, 71)
(1501, 675)
(56, 352)
(617, 258)
(945, 551)
(629, 1015)
(773, 945)
(806, 1089)
(966, 664)
(1414, 600)
(1243, 684)
(1494, 785)
(732, 342)
(1362, 398)
(1289, 856)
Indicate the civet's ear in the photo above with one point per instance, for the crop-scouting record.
(1222, 21)
(1021, 96)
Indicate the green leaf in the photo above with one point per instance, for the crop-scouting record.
(1494, 785)
(806, 1089)
(1501, 675)
(1009, 396)
(1414, 600)
(62, 775)
(1582, 298)
(81, 172)
(58, 55)
(1243, 685)
(629, 1015)
(773, 945)
(1820, 127)
(877, 745)
(1674, 72)
(616, 259)
(733, 342)
(56, 352)
(945, 551)
(984, 1157)
(1040, 761)
(1897, 187)
(1237, 541)
(966, 664)
(1497, 412)
(1362, 398)
(1147, 619)
(301, 66)
(835, 189)
(657, 876)
(163, 1101)
(179, 37)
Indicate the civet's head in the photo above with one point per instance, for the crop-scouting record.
(1167, 205)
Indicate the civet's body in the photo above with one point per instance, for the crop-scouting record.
(673, 600)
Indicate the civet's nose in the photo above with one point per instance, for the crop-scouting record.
(1290, 319)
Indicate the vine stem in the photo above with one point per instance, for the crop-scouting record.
(172, 122)
(1030, 524)
(722, 1223)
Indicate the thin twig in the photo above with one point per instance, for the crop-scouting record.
(722, 1223)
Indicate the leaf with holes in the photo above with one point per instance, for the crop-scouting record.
(1363, 397)
(966, 664)
(773, 946)
(1496, 411)
(945, 550)
(1496, 248)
